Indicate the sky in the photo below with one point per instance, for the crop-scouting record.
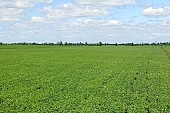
(108, 21)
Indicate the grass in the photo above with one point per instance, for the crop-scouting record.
(84, 79)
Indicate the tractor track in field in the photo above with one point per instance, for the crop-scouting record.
(147, 92)
(166, 52)
(146, 87)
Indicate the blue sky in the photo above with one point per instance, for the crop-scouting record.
(112, 21)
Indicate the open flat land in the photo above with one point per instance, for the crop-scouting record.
(65, 79)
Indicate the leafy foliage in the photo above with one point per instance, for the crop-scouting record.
(84, 79)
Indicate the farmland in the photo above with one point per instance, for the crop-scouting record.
(84, 79)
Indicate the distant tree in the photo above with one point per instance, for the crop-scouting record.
(24, 43)
(80, 44)
(158, 44)
(115, 44)
(45, 43)
(33, 43)
(69, 44)
(77, 44)
(65, 43)
(132, 44)
(100, 44)
(60, 43)
(167, 43)
(86, 43)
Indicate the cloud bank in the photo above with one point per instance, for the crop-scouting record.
(157, 12)
(114, 21)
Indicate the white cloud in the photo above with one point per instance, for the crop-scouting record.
(65, 5)
(16, 4)
(71, 10)
(13, 10)
(82, 21)
(106, 2)
(95, 22)
(21, 4)
(10, 14)
(37, 19)
(113, 22)
(128, 21)
(166, 22)
(147, 5)
(84, 8)
(87, 30)
(87, 22)
(157, 12)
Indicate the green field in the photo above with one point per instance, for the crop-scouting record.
(65, 79)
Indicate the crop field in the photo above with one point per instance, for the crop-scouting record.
(85, 79)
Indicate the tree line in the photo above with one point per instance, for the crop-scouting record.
(60, 43)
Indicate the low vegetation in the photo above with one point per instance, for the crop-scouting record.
(73, 79)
